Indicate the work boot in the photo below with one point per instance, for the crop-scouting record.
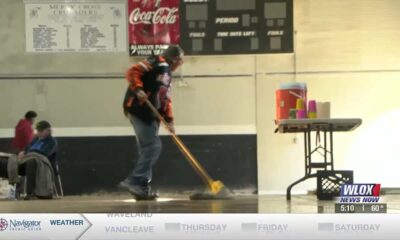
(150, 195)
(140, 188)
(135, 190)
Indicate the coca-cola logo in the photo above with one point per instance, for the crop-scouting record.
(163, 15)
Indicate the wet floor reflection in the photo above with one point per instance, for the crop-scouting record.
(236, 205)
(181, 204)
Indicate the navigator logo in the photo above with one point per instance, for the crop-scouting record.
(3, 224)
(25, 225)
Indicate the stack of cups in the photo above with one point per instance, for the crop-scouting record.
(301, 111)
(312, 109)
(292, 113)
(323, 110)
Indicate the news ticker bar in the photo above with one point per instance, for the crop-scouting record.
(199, 226)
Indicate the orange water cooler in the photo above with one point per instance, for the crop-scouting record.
(286, 97)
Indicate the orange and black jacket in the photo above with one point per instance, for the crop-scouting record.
(153, 76)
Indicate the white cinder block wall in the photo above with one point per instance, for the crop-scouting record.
(346, 50)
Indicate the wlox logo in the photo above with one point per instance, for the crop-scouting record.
(357, 193)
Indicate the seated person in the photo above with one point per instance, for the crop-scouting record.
(37, 163)
(43, 143)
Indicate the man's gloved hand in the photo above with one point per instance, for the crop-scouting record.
(141, 96)
(171, 126)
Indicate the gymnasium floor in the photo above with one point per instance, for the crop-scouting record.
(181, 204)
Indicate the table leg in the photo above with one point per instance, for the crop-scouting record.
(289, 189)
(325, 152)
(305, 154)
(331, 144)
(308, 151)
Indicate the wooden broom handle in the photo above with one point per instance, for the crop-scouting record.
(182, 147)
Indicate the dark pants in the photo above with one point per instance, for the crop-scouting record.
(3, 167)
(30, 174)
(28, 169)
(149, 149)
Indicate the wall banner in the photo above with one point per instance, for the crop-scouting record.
(153, 25)
(59, 26)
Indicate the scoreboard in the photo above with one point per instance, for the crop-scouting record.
(209, 27)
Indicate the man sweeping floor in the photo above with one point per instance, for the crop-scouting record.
(149, 79)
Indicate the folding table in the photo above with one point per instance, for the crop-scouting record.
(325, 126)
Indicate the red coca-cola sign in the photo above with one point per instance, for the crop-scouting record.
(153, 25)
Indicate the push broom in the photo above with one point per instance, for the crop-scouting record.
(216, 189)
